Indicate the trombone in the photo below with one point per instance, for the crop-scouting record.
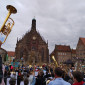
(8, 23)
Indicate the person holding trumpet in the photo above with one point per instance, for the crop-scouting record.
(58, 73)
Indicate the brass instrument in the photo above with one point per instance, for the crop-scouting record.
(8, 23)
(55, 61)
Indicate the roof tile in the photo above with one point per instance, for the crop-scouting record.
(83, 40)
(63, 48)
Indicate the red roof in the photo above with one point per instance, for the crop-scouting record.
(83, 40)
(63, 48)
(11, 53)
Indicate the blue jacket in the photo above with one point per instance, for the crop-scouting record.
(58, 81)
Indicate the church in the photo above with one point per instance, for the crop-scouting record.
(32, 48)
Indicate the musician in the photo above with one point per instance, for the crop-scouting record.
(58, 78)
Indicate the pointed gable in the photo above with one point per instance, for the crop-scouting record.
(80, 49)
(83, 40)
(27, 38)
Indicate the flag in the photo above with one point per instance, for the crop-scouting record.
(7, 57)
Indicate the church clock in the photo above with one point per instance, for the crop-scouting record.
(34, 38)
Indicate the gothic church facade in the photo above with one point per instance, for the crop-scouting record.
(32, 48)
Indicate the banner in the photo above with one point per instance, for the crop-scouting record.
(15, 64)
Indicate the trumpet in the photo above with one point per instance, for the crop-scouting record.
(8, 23)
(55, 61)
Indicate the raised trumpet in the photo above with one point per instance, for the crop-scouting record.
(55, 61)
(8, 24)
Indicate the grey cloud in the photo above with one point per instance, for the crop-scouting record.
(58, 21)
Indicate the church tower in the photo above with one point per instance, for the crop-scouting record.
(33, 24)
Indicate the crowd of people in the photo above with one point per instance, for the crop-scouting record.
(41, 75)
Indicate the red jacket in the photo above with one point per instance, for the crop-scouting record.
(79, 83)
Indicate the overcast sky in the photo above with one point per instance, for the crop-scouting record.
(58, 21)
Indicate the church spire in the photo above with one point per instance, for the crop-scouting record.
(33, 24)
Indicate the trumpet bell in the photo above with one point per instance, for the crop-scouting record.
(11, 9)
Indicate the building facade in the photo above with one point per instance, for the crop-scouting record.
(62, 53)
(73, 52)
(11, 56)
(80, 54)
(32, 48)
(80, 49)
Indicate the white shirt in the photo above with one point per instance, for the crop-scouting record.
(8, 81)
(22, 83)
(30, 79)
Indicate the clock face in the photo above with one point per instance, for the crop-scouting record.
(34, 38)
